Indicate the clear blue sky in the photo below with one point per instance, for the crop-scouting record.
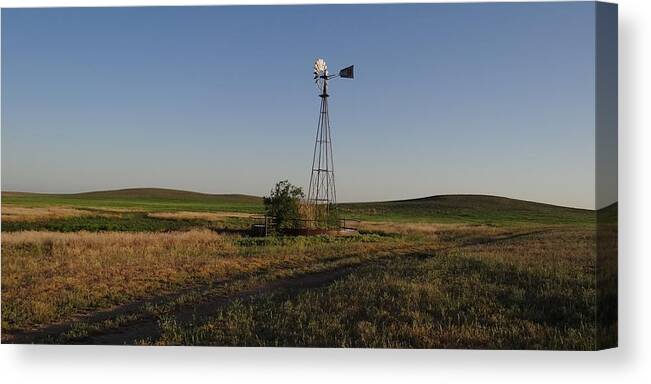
(448, 98)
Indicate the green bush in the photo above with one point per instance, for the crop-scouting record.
(283, 203)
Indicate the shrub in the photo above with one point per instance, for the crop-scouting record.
(283, 203)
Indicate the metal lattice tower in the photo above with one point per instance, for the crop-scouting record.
(322, 193)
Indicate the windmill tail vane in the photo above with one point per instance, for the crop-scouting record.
(322, 193)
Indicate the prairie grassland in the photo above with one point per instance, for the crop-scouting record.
(534, 291)
(13, 213)
(496, 279)
(95, 221)
(447, 230)
(476, 209)
(64, 219)
(148, 199)
(469, 209)
(50, 276)
(207, 216)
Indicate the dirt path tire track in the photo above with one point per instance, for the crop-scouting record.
(147, 325)
(151, 330)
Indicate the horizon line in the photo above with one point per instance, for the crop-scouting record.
(343, 202)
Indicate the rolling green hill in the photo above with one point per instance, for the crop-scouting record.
(155, 199)
(480, 209)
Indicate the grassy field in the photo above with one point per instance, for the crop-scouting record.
(150, 199)
(478, 209)
(501, 294)
(165, 268)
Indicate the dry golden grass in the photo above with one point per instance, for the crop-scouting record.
(429, 228)
(460, 286)
(208, 216)
(12, 213)
(306, 212)
(533, 290)
(49, 276)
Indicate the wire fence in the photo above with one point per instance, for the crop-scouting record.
(267, 225)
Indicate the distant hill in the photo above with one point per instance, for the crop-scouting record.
(445, 208)
(164, 194)
(469, 208)
(145, 198)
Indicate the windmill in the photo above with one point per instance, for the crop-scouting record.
(322, 194)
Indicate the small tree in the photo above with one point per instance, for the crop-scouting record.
(283, 203)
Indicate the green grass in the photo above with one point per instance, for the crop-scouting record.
(126, 222)
(150, 199)
(477, 209)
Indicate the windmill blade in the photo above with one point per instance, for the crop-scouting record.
(320, 66)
